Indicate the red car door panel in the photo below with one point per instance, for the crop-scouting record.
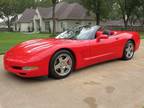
(82, 52)
(103, 49)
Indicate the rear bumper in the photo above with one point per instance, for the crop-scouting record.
(42, 69)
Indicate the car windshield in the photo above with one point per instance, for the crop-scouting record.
(80, 33)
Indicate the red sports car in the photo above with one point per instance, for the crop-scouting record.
(69, 51)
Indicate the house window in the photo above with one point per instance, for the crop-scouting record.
(47, 26)
(78, 23)
(89, 23)
(62, 26)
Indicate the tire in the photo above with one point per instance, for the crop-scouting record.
(128, 52)
(61, 65)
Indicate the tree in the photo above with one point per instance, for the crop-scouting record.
(114, 12)
(10, 8)
(98, 7)
(127, 8)
(139, 12)
(47, 3)
(71, 1)
(21, 5)
(43, 3)
(54, 2)
(7, 9)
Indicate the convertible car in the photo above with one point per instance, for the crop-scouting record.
(71, 50)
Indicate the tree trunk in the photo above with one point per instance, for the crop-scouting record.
(97, 11)
(125, 21)
(8, 24)
(53, 18)
(97, 19)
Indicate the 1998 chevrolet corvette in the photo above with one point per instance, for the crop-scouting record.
(71, 50)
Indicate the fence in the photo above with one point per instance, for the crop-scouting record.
(134, 28)
(5, 29)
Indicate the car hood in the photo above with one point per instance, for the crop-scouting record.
(30, 48)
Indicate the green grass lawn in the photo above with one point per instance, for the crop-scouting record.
(142, 35)
(8, 39)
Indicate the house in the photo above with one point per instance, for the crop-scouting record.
(66, 16)
(3, 25)
(25, 21)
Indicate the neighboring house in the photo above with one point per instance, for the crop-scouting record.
(3, 25)
(15, 22)
(25, 21)
(117, 23)
(66, 15)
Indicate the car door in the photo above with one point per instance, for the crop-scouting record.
(103, 49)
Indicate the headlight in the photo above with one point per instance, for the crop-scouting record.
(28, 68)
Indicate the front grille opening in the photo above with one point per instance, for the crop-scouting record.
(17, 67)
(22, 74)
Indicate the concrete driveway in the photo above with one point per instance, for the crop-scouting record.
(115, 84)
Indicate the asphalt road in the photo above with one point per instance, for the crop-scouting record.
(115, 84)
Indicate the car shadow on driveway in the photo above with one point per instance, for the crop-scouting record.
(46, 78)
(36, 79)
(98, 64)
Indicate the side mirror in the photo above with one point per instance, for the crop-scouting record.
(102, 37)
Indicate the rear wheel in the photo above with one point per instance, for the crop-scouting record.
(128, 50)
(61, 65)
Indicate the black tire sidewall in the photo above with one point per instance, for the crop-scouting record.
(52, 72)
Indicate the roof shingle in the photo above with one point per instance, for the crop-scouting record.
(27, 16)
(65, 11)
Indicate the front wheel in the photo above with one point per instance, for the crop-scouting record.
(61, 65)
(128, 50)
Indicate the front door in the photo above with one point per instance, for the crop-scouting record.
(103, 49)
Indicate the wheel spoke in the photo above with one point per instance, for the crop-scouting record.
(68, 67)
(62, 70)
(58, 66)
(127, 50)
(67, 59)
(127, 54)
(131, 49)
(60, 59)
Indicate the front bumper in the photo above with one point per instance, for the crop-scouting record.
(16, 67)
